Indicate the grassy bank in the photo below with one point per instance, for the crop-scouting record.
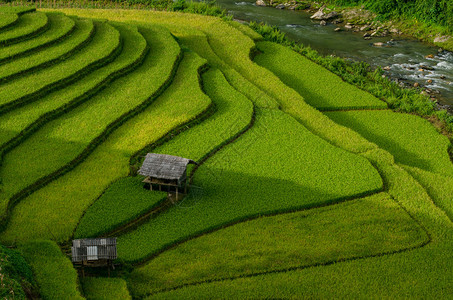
(360, 74)
(427, 20)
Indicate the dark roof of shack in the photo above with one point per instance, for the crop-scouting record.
(164, 166)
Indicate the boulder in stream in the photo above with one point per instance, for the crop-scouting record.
(260, 3)
(321, 15)
(441, 39)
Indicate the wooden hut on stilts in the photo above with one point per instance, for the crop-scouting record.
(166, 173)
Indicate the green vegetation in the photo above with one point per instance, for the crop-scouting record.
(264, 172)
(195, 31)
(433, 12)
(7, 19)
(286, 202)
(84, 31)
(20, 10)
(19, 123)
(228, 46)
(28, 25)
(59, 141)
(100, 288)
(15, 274)
(356, 229)
(361, 75)
(386, 276)
(319, 87)
(438, 187)
(53, 271)
(410, 139)
(102, 49)
(233, 114)
(60, 26)
(124, 201)
(110, 160)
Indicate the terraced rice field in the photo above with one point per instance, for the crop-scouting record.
(305, 186)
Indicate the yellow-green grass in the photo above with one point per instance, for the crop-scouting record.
(233, 114)
(276, 166)
(54, 211)
(412, 140)
(247, 30)
(16, 123)
(193, 29)
(51, 55)
(103, 47)
(29, 24)
(354, 229)
(59, 27)
(124, 201)
(102, 288)
(319, 87)
(17, 9)
(7, 19)
(423, 272)
(198, 42)
(233, 48)
(61, 140)
(438, 187)
(53, 270)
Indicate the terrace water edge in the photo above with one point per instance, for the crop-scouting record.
(404, 57)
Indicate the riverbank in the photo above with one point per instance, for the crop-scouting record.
(358, 19)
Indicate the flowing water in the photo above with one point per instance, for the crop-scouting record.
(406, 58)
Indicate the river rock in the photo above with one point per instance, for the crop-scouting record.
(386, 68)
(429, 81)
(441, 39)
(347, 26)
(380, 44)
(337, 21)
(429, 56)
(366, 35)
(365, 28)
(442, 77)
(416, 84)
(394, 31)
(426, 67)
(260, 3)
(321, 15)
(281, 6)
(367, 38)
(323, 23)
(337, 29)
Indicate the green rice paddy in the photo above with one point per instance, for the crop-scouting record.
(306, 186)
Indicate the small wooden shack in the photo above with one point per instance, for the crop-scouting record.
(166, 172)
(94, 252)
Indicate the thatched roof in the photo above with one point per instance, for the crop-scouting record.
(164, 166)
(93, 249)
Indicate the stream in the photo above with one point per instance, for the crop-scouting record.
(407, 59)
